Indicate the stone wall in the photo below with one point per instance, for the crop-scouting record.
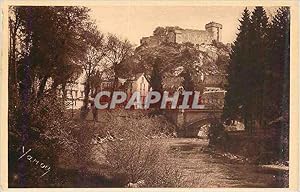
(213, 31)
(193, 36)
(152, 40)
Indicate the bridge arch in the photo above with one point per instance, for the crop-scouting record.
(190, 122)
(198, 128)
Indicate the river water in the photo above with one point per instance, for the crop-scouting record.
(203, 169)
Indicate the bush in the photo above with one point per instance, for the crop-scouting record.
(123, 122)
(45, 127)
(134, 157)
(217, 135)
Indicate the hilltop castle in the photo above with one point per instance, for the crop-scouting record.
(213, 31)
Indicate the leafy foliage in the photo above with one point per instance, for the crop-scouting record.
(188, 83)
(92, 62)
(156, 78)
(40, 62)
(117, 52)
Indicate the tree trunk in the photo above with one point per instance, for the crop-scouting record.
(64, 92)
(25, 94)
(115, 83)
(86, 94)
(42, 87)
(13, 82)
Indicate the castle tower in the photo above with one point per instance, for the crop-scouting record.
(215, 29)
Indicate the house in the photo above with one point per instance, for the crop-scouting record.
(74, 93)
(75, 89)
(137, 83)
(108, 84)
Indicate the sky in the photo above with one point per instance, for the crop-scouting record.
(135, 22)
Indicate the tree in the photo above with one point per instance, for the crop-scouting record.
(160, 31)
(248, 60)
(167, 56)
(278, 66)
(277, 101)
(45, 55)
(163, 55)
(92, 62)
(38, 56)
(257, 66)
(14, 27)
(117, 51)
(156, 78)
(188, 56)
(188, 83)
(45, 46)
(236, 95)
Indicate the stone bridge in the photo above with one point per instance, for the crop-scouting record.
(190, 122)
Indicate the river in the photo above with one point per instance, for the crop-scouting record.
(204, 169)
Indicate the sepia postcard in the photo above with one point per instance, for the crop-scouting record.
(151, 95)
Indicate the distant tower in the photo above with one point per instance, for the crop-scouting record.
(215, 29)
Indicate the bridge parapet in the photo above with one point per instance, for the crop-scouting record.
(192, 120)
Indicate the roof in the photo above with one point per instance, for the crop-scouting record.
(121, 80)
(135, 77)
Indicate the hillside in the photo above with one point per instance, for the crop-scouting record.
(206, 62)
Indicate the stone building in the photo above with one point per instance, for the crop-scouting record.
(213, 97)
(213, 31)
